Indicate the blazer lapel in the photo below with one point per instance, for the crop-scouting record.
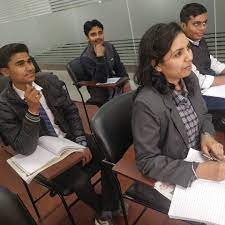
(176, 118)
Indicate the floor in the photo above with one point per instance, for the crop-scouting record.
(52, 211)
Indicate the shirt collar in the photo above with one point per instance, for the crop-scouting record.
(21, 93)
(194, 42)
(180, 97)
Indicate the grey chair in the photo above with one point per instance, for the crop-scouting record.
(111, 127)
(12, 209)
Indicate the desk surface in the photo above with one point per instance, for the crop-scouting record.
(120, 82)
(127, 167)
(54, 170)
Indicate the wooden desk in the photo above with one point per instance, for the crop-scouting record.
(119, 83)
(54, 170)
(127, 167)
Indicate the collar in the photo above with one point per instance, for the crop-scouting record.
(21, 93)
(180, 97)
(196, 43)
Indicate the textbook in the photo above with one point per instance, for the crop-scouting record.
(49, 151)
(203, 201)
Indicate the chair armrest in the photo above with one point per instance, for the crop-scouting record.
(127, 167)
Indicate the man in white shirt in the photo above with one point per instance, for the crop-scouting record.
(208, 69)
(33, 106)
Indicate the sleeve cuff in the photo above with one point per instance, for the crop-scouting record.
(31, 117)
(81, 140)
(207, 82)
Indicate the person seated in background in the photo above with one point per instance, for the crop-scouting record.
(31, 107)
(169, 114)
(100, 61)
(209, 70)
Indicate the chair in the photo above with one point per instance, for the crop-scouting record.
(3, 82)
(76, 72)
(12, 209)
(111, 127)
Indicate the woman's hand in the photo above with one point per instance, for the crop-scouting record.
(211, 147)
(211, 170)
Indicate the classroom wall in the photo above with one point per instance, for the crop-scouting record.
(42, 32)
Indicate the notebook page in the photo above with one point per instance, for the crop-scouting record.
(29, 177)
(215, 91)
(31, 163)
(204, 201)
(57, 145)
(111, 80)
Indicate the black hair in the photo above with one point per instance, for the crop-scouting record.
(7, 51)
(154, 45)
(192, 9)
(90, 24)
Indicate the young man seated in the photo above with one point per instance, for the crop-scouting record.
(209, 70)
(31, 107)
(100, 61)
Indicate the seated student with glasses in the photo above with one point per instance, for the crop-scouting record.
(31, 107)
(169, 113)
(209, 70)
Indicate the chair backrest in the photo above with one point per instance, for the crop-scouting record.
(111, 126)
(76, 71)
(3, 82)
(12, 209)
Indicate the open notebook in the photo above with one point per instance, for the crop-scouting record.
(49, 151)
(203, 202)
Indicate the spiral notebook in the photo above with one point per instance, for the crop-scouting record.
(203, 202)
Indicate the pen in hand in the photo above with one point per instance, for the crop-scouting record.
(210, 157)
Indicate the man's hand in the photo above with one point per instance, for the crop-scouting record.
(32, 98)
(86, 156)
(99, 50)
(211, 147)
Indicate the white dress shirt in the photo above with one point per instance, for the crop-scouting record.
(57, 129)
(206, 80)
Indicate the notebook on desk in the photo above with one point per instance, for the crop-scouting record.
(111, 80)
(203, 202)
(49, 151)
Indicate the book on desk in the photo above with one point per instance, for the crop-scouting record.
(49, 151)
(203, 201)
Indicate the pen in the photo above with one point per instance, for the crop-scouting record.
(209, 157)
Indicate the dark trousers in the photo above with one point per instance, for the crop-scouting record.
(216, 107)
(78, 179)
(215, 103)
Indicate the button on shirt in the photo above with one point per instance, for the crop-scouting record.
(21, 93)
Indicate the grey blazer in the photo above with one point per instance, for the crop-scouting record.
(160, 138)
